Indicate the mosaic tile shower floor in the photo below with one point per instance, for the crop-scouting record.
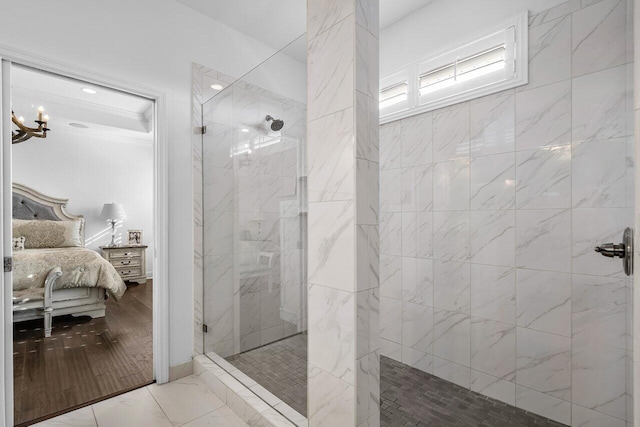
(409, 397)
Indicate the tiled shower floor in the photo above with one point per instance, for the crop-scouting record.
(408, 397)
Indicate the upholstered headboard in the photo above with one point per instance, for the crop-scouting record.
(31, 204)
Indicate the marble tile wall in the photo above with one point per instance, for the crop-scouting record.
(343, 213)
(249, 256)
(489, 213)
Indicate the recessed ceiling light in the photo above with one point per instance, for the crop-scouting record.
(78, 125)
(217, 87)
(89, 90)
(245, 130)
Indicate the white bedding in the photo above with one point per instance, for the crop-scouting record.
(81, 267)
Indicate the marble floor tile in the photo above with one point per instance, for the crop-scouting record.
(136, 408)
(80, 418)
(222, 417)
(185, 400)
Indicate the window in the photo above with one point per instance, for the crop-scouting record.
(485, 63)
(394, 93)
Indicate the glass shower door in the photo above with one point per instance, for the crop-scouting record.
(254, 220)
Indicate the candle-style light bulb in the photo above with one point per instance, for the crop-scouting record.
(46, 118)
(40, 111)
(21, 119)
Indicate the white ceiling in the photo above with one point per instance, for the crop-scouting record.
(278, 22)
(64, 101)
(391, 11)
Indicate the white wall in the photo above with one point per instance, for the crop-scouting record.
(443, 22)
(91, 169)
(152, 43)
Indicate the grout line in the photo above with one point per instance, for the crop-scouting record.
(94, 415)
(158, 403)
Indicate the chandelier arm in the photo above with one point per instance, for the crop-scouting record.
(24, 133)
(20, 139)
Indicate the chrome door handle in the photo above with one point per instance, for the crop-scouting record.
(611, 250)
(622, 250)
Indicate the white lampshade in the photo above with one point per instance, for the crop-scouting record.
(113, 211)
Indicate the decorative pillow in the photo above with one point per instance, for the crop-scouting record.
(18, 243)
(49, 234)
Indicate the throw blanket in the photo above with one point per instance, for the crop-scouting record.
(80, 268)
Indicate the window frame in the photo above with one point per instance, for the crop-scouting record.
(514, 31)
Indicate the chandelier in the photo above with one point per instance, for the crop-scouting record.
(24, 133)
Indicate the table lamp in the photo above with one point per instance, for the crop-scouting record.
(113, 212)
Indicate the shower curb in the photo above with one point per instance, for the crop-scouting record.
(253, 403)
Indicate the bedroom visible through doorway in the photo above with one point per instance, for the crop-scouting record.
(83, 243)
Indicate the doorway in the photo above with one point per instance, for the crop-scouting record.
(95, 335)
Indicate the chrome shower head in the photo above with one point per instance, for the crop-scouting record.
(276, 124)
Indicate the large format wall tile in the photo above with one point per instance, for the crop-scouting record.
(543, 178)
(451, 185)
(543, 116)
(543, 239)
(493, 348)
(451, 236)
(331, 315)
(598, 174)
(550, 52)
(330, 62)
(417, 327)
(331, 153)
(417, 231)
(598, 105)
(493, 182)
(543, 301)
(494, 387)
(416, 140)
(493, 293)
(331, 244)
(451, 371)
(599, 311)
(391, 319)
(417, 188)
(452, 337)
(598, 35)
(417, 281)
(391, 146)
(451, 133)
(543, 404)
(606, 367)
(390, 190)
(493, 237)
(543, 363)
(452, 286)
(586, 417)
(492, 124)
(417, 359)
(391, 276)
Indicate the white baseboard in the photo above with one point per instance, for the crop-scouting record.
(180, 371)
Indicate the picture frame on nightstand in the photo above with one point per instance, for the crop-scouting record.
(134, 237)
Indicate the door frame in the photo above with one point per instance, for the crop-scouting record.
(9, 56)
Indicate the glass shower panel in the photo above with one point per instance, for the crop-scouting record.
(254, 206)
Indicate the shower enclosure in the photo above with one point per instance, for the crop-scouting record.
(490, 210)
(254, 214)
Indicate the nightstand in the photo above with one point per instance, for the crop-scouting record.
(129, 261)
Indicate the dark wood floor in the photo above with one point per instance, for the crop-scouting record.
(84, 359)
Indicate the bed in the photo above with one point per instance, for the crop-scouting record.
(55, 278)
